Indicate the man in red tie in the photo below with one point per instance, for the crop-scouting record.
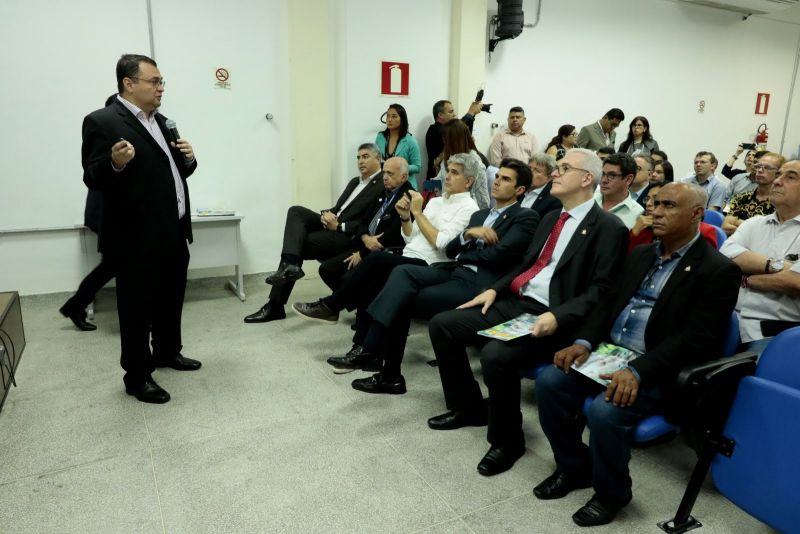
(570, 265)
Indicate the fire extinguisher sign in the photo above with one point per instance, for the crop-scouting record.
(394, 78)
(762, 103)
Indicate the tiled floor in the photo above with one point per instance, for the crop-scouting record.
(265, 438)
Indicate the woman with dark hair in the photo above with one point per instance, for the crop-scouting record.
(563, 141)
(396, 141)
(662, 173)
(640, 141)
(458, 140)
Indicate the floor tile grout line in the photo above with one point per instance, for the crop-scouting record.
(57, 470)
(158, 492)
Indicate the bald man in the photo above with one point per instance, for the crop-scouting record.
(671, 307)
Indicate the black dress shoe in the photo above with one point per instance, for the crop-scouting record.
(285, 273)
(78, 318)
(595, 512)
(179, 363)
(560, 485)
(148, 391)
(500, 459)
(378, 384)
(356, 358)
(452, 420)
(316, 311)
(268, 312)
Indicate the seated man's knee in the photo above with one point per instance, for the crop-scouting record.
(493, 357)
(552, 379)
(602, 413)
(294, 210)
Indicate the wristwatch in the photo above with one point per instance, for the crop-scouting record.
(774, 265)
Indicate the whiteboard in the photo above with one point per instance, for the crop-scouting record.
(59, 63)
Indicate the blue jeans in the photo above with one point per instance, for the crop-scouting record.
(560, 397)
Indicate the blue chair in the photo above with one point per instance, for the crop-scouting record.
(721, 237)
(761, 473)
(713, 217)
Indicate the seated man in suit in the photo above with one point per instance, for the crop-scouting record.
(568, 269)
(671, 306)
(494, 239)
(601, 133)
(426, 238)
(767, 248)
(538, 196)
(307, 235)
(379, 229)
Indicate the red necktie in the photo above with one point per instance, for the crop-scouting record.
(544, 256)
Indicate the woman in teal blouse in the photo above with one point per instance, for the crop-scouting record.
(396, 141)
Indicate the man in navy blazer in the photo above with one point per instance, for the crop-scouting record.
(314, 235)
(672, 306)
(127, 154)
(569, 267)
(494, 239)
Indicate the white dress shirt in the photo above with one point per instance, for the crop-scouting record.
(450, 215)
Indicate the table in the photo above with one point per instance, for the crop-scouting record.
(12, 341)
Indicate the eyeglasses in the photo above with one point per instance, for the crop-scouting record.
(612, 175)
(564, 168)
(155, 82)
(761, 167)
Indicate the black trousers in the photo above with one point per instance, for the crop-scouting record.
(413, 291)
(90, 285)
(304, 237)
(452, 331)
(367, 280)
(333, 271)
(150, 294)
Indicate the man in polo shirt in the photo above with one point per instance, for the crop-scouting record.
(613, 195)
(767, 248)
(513, 142)
(757, 202)
(705, 163)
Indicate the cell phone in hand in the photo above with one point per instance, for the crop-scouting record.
(748, 146)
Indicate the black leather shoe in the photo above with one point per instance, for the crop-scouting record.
(560, 485)
(453, 420)
(268, 312)
(148, 391)
(356, 358)
(595, 512)
(316, 311)
(179, 363)
(285, 273)
(78, 318)
(378, 384)
(499, 459)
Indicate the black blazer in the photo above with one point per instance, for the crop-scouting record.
(545, 202)
(586, 271)
(689, 319)
(514, 228)
(353, 215)
(389, 224)
(140, 206)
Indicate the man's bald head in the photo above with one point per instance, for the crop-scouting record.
(677, 211)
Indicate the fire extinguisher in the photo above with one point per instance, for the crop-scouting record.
(761, 136)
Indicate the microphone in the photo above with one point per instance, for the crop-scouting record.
(173, 130)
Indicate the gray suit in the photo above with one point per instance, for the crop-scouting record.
(591, 136)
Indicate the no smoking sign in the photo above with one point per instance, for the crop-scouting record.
(222, 76)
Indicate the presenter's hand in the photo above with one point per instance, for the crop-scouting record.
(185, 148)
(416, 202)
(353, 260)
(372, 242)
(121, 153)
(485, 299)
(622, 389)
(545, 325)
(488, 235)
(564, 358)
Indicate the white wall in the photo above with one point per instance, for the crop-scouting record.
(371, 31)
(649, 57)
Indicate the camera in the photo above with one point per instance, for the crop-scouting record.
(484, 107)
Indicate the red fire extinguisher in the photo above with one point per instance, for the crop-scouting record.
(761, 136)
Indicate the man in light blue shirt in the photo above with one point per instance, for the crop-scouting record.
(705, 163)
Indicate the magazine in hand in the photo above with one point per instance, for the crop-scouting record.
(606, 358)
(516, 327)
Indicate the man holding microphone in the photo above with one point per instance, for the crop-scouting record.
(141, 166)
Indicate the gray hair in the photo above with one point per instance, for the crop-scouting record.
(544, 159)
(646, 158)
(591, 164)
(471, 162)
(371, 147)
